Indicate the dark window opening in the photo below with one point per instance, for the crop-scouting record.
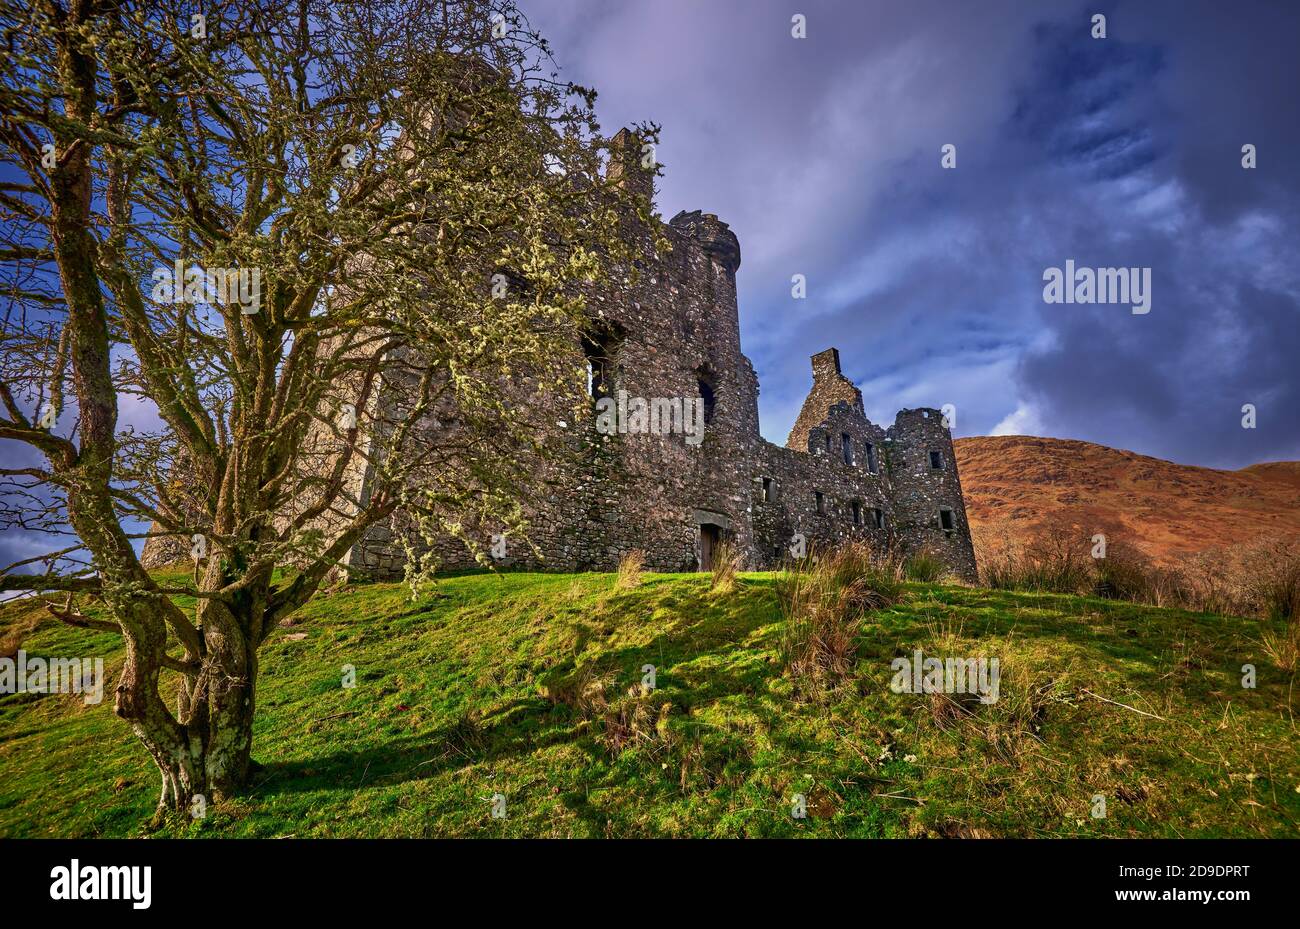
(857, 512)
(846, 445)
(821, 502)
(878, 518)
(936, 460)
(828, 443)
(601, 348)
(769, 490)
(945, 519)
(871, 458)
(706, 382)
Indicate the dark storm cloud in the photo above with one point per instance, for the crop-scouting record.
(1220, 241)
(823, 154)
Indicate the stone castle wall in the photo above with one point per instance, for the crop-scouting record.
(670, 329)
(676, 327)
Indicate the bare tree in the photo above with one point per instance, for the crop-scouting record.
(250, 224)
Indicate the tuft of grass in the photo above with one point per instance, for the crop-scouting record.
(634, 720)
(823, 604)
(727, 562)
(630, 569)
(924, 567)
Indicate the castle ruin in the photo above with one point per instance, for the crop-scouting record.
(663, 343)
(673, 331)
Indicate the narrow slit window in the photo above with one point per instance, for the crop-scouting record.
(936, 460)
(857, 512)
(846, 445)
(871, 458)
(820, 501)
(878, 518)
(945, 520)
(705, 382)
(769, 490)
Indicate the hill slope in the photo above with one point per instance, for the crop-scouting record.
(1013, 484)
(518, 685)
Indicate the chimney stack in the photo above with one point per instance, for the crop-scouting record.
(625, 169)
(826, 366)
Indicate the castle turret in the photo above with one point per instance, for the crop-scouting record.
(929, 510)
(719, 242)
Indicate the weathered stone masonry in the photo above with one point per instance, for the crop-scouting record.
(674, 331)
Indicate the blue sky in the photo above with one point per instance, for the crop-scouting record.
(823, 154)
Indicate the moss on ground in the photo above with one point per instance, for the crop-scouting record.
(527, 685)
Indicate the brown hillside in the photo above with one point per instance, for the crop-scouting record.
(1015, 484)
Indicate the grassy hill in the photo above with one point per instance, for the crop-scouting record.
(519, 684)
(1016, 484)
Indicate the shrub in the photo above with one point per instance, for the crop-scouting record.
(1276, 591)
(1054, 560)
(1262, 580)
(1124, 574)
(1277, 587)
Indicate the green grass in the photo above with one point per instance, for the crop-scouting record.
(451, 707)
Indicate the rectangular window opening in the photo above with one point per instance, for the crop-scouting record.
(601, 346)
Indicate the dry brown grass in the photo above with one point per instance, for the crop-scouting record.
(634, 720)
(21, 619)
(1260, 580)
(727, 562)
(630, 568)
(824, 601)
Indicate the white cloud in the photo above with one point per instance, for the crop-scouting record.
(1024, 420)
